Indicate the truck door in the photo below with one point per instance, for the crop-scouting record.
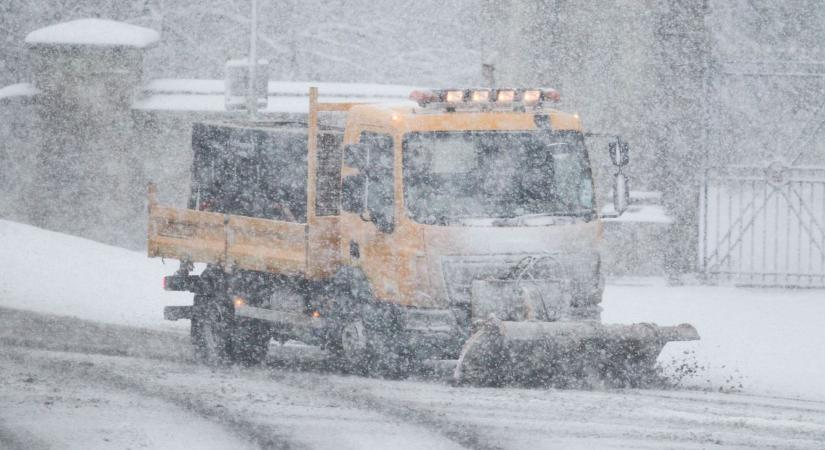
(379, 254)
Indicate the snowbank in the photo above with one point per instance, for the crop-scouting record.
(96, 32)
(51, 272)
(18, 90)
(768, 340)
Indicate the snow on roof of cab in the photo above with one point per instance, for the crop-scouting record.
(96, 32)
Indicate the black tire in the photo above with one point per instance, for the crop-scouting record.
(371, 344)
(219, 338)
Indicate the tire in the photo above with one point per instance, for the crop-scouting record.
(367, 338)
(372, 345)
(219, 338)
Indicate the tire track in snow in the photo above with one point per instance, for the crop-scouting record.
(543, 418)
(11, 439)
(266, 436)
(52, 333)
(464, 434)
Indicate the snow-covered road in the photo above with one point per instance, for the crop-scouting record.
(101, 370)
(91, 399)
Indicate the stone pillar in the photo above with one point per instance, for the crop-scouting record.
(681, 121)
(89, 180)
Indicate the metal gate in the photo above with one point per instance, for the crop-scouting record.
(764, 225)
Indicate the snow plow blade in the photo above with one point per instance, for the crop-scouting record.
(565, 354)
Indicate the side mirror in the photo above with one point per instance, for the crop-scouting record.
(621, 193)
(619, 153)
(356, 156)
(353, 193)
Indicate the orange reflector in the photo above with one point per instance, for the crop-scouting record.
(551, 95)
(316, 314)
(239, 302)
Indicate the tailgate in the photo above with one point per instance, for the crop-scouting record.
(233, 241)
(196, 236)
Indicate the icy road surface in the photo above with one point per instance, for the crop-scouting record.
(122, 378)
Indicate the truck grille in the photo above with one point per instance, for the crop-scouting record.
(460, 271)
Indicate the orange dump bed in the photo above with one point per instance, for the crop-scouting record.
(230, 240)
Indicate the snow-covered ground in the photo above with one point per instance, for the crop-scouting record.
(50, 272)
(766, 340)
(758, 341)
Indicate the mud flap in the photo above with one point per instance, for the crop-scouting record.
(564, 354)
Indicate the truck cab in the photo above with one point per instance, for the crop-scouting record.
(439, 195)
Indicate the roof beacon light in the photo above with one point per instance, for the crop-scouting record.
(550, 95)
(424, 97)
(453, 96)
(484, 99)
(505, 95)
(481, 95)
(531, 96)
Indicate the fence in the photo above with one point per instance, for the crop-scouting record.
(764, 225)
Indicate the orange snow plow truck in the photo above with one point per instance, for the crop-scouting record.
(460, 226)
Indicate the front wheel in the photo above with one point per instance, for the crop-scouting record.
(368, 349)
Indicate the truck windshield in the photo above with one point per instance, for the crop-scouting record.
(452, 176)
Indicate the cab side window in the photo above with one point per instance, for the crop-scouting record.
(380, 201)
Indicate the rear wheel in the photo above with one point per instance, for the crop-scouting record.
(220, 338)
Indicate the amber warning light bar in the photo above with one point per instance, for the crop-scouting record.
(511, 99)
